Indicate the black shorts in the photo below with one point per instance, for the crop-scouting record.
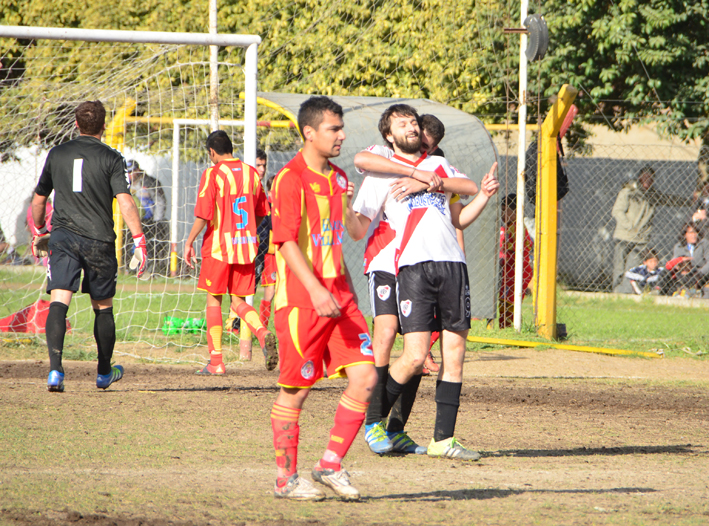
(434, 295)
(382, 293)
(70, 253)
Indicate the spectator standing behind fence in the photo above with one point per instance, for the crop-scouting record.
(699, 218)
(152, 205)
(649, 276)
(633, 212)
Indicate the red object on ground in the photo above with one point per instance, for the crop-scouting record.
(32, 318)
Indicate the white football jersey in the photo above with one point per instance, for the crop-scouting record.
(421, 222)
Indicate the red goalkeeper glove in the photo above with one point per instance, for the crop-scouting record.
(40, 241)
(140, 255)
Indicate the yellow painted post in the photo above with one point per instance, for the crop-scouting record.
(545, 255)
(114, 136)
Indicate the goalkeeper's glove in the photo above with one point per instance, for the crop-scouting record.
(40, 241)
(140, 255)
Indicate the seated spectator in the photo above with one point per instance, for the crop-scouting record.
(690, 262)
(648, 277)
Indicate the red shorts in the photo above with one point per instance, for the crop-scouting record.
(216, 277)
(305, 340)
(268, 276)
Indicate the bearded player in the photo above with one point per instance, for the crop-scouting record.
(431, 275)
(316, 314)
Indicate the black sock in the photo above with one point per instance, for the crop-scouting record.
(374, 411)
(55, 330)
(402, 408)
(105, 335)
(393, 391)
(447, 402)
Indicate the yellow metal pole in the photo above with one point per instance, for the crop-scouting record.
(280, 109)
(115, 136)
(546, 216)
(563, 346)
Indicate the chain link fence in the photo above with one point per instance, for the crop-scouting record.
(587, 236)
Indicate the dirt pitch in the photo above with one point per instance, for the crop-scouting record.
(566, 438)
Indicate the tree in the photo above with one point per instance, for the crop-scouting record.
(633, 61)
(446, 51)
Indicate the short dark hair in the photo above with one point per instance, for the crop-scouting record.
(687, 226)
(90, 116)
(433, 126)
(510, 201)
(648, 253)
(312, 111)
(400, 110)
(260, 154)
(647, 169)
(220, 142)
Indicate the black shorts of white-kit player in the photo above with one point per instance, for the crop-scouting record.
(70, 253)
(382, 293)
(433, 295)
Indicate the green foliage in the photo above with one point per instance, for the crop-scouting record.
(449, 52)
(633, 60)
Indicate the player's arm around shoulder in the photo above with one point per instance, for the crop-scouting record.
(463, 217)
(376, 159)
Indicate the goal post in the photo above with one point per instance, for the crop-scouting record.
(154, 85)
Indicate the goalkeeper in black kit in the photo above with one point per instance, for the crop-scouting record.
(85, 175)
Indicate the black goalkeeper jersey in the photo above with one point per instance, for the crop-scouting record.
(85, 175)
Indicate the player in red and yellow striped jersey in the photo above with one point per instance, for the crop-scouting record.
(231, 203)
(317, 318)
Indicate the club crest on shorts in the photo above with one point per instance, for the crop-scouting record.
(405, 307)
(383, 291)
(308, 370)
(273, 276)
(341, 181)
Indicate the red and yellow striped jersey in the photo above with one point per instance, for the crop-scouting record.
(309, 208)
(230, 198)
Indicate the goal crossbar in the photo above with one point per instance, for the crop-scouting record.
(250, 42)
(134, 37)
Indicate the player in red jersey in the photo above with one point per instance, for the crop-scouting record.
(231, 203)
(316, 318)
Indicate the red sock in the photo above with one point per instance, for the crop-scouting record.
(214, 335)
(434, 338)
(284, 422)
(250, 317)
(348, 419)
(265, 312)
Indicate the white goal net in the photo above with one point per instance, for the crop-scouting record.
(149, 90)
